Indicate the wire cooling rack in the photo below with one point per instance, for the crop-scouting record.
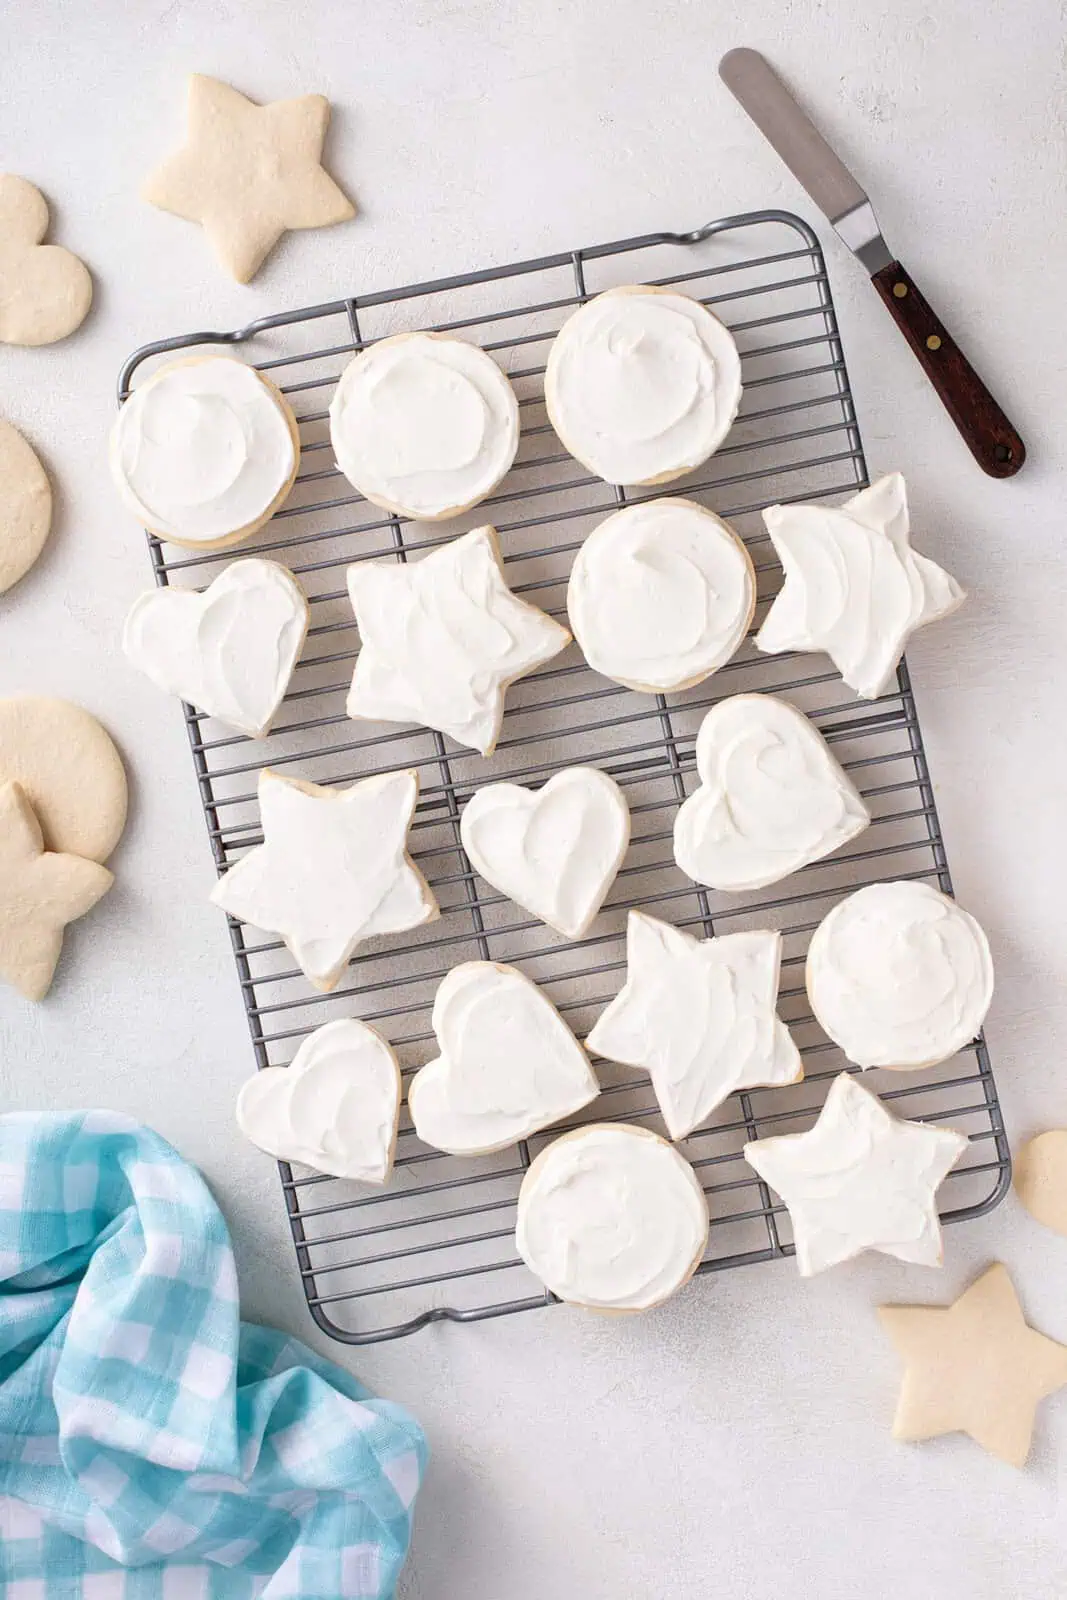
(438, 1242)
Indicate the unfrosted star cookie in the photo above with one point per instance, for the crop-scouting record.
(25, 506)
(443, 638)
(698, 1015)
(70, 771)
(45, 291)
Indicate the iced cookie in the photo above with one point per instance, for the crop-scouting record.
(698, 1015)
(334, 1107)
(661, 595)
(443, 639)
(69, 771)
(554, 851)
(612, 1218)
(771, 797)
(509, 1065)
(642, 384)
(332, 871)
(424, 425)
(45, 291)
(229, 650)
(25, 506)
(899, 976)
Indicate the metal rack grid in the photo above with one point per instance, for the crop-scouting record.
(437, 1243)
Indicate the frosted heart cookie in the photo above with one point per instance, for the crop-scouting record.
(1040, 1178)
(860, 1179)
(698, 1015)
(332, 871)
(854, 587)
(771, 797)
(443, 638)
(899, 976)
(334, 1107)
(612, 1218)
(229, 650)
(661, 595)
(509, 1065)
(25, 506)
(554, 851)
(40, 893)
(642, 384)
(69, 770)
(45, 291)
(205, 451)
(424, 425)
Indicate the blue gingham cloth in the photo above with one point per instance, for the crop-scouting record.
(152, 1446)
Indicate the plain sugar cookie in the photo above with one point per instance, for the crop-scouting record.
(45, 291)
(1040, 1178)
(25, 506)
(70, 771)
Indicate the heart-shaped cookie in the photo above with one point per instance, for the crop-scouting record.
(229, 650)
(44, 290)
(334, 1108)
(509, 1065)
(554, 851)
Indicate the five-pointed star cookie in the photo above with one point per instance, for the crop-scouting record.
(854, 587)
(861, 1179)
(442, 638)
(333, 869)
(699, 1016)
(974, 1367)
(248, 173)
(40, 892)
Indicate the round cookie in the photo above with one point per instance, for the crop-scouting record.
(25, 506)
(69, 770)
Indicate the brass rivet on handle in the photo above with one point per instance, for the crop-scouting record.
(900, 290)
(934, 342)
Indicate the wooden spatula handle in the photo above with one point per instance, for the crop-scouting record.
(988, 434)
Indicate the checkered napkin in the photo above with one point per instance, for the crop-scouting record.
(152, 1446)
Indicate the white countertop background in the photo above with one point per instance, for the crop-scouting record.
(736, 1442)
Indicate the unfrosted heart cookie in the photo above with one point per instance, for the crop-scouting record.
(25, 506)
(509, 1065)
(334, 1108)
(45, 291)
(229, 650)
(1040, 1178)
(69, 770)
(554, 851)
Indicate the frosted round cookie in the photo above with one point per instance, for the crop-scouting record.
(611, 1217)
(661, 595)
(424, 425)
(899, 976)
(25, 506)
(68, 769)
(205, 451)
(642, 384)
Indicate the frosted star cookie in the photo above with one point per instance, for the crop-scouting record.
(854, 587)
(68, 769)
(612, 1218)
(554, 851)
(642, 384)
(443, 639)
(771, 797)
(205, 451)
(228, 650)
(335, 1107)
(40, 893)
(698, 1015)
(45, 291)
(661, 595)
(248, 173)
(899, 976)
(424, 425)
(25, 506)
(509, 1065)
(1039, 1173)
(332, 871)
(860, 1179)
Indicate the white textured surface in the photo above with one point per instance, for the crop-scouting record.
(737, 1441)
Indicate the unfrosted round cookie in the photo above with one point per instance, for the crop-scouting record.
(25, 506)
(661, 595)
(205, 451)
(424, 425)
(642, 384)
(68, 769)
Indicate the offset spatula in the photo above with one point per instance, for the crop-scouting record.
(987, 432)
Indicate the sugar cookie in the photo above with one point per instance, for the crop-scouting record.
(69, 770)
(45, 291)
(1040, 1178)
(25, 506)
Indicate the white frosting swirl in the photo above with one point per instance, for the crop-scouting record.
(611, 1217)
(771, 797)
(204, 451)
(899, 976)
(424, 425)
(642, 384)
(661, 595)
